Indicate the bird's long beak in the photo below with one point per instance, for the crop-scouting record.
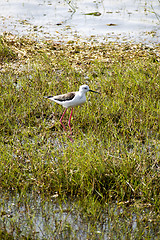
(93, 91)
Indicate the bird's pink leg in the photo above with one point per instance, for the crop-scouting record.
(70, 120)
(63, 125)
(62, 118)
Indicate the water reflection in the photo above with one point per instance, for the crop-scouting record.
(68, 19)
(34, 216)
(41, 218)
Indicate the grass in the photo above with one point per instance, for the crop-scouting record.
(115, 154)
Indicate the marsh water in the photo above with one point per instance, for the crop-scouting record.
(136, 20)
(44, 218)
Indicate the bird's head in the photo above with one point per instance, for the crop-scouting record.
(84, 88)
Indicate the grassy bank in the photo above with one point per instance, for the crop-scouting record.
(115, 154)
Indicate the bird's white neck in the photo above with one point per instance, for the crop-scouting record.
(82, 94)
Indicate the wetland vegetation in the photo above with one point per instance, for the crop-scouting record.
(110, 174)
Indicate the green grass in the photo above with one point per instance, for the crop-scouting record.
(115, 154)
(6, 53)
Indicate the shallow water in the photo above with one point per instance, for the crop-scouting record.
(43, 219)
(31, 215)
(137, 20)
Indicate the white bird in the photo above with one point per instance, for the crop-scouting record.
(71, 99)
